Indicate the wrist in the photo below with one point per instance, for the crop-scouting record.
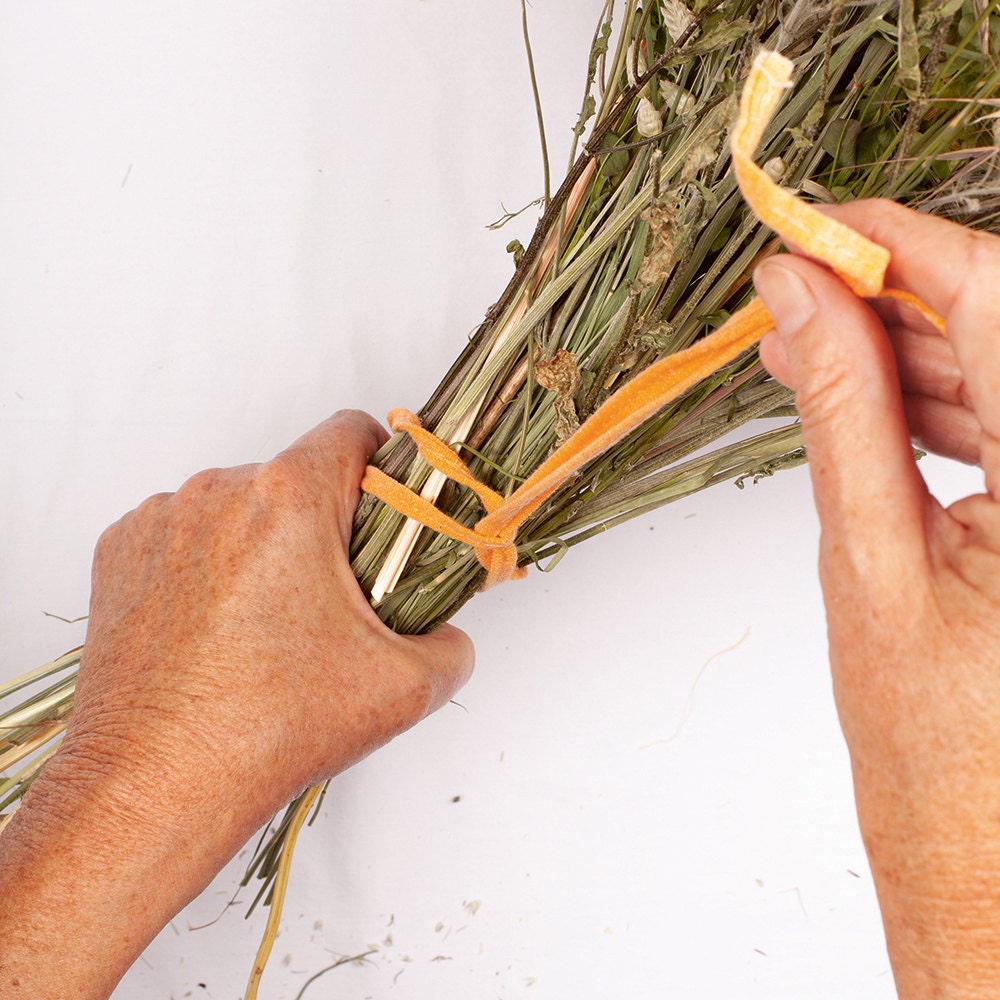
(935, 861)
(85, 869)
(941, 949)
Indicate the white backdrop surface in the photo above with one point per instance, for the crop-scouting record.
(219, 223)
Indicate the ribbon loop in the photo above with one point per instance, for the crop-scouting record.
(494, 548)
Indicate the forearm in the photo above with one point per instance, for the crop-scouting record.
(935, 859)
(941, 949)
(88, 878)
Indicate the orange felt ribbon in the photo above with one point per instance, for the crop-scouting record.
(858, 261)
(495, 549)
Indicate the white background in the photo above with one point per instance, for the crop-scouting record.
(220, 222)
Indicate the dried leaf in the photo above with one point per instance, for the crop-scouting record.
(560, 374)
(587, 112)
(935, 13)
(908, 73)
(659, 259)
(615, 163)
(724, 33)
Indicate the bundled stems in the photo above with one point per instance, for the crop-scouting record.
(644, 248)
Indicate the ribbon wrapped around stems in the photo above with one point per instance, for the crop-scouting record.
(858, 261)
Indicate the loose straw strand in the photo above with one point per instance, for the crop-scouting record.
(278, 892)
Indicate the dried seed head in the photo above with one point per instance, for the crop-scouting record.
(681, 100)
(647, 119)
(676, 17)
(700, 156)
(775, 168)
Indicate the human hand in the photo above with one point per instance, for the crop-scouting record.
(231, 661)
(912, 590)
(226, 617)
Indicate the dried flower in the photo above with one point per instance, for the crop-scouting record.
(647, 118)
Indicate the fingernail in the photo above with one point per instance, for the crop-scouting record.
(788, 298)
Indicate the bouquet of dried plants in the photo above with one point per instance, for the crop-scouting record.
(645, 247)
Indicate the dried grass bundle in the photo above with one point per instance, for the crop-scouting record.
(644, 248)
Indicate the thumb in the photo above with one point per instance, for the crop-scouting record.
(833, 351)
(447, 657)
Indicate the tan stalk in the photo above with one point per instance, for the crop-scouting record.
(278, 895)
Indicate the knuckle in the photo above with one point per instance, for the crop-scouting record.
(108, 542)
(200, 485)
(981, 269)
(277, 485)
(150, 508)
(202, 500)
(984, 252)
(117, 536)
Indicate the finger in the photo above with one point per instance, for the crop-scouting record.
(354, 427)
(927, 366)
(944, 428)
(774, 357)
(833, 351)
(897, 313)
(331, 459)
(448, 658)
(954, 270)
(926, 360)
(930, 257)
(937, 405)
(934, 402)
